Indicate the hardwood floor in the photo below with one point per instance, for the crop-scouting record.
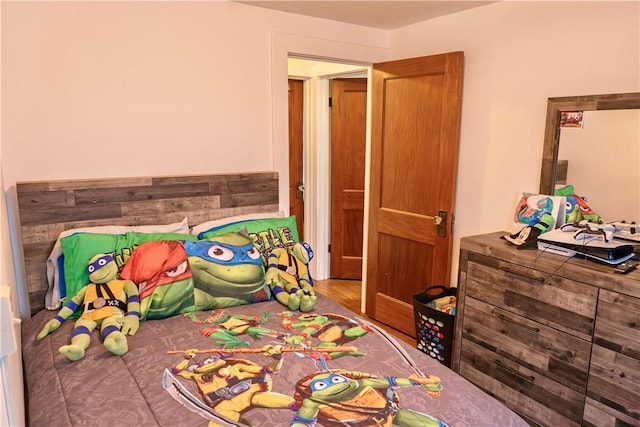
(347, 293)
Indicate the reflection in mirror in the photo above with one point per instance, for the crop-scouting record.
(601, 159)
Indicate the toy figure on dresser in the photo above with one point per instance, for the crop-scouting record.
(107, 303)
(528, 235)
(577, 208)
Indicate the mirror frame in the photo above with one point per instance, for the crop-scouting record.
(555, 106)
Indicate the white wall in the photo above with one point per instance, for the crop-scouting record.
(11, 383)
(136, 88)
(108, 89)
(518, 54)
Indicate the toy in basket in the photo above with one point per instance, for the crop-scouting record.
(434, 310)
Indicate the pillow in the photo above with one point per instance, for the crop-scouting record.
(227, 271)
(161, 271)
(266, 234)
(531, 207)
(205, 226)
(79, 248)
(55, 261)
(577, 208)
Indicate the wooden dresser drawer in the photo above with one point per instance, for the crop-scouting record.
(546, 351)
(597, 414)
(541, 401)
(614, 377)
(554, 301)
(614, 381)
(618, 326)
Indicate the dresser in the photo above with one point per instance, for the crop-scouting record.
(557, 339)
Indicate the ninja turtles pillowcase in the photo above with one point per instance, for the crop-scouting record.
(161, 271)
(267, 234)
(77, 249)
(227, 271)
(185, 276)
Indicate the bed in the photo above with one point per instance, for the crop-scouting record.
(259, 363)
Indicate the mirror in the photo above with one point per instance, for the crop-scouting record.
(589, 155)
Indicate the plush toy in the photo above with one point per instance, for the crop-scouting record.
(577, 208)
(288, 276)
(108, 303)
(527, 237)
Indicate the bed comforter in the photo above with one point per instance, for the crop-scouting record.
(373, 380)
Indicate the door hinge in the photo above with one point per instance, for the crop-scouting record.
(330, 102)
(329, 248)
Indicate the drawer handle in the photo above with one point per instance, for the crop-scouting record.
(526, 276)
(522, 325)
(528, 378)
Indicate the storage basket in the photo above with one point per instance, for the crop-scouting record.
(434, 328)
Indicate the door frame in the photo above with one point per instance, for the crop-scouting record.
(365, 52)
(316, 157)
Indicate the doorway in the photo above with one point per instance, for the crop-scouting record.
(317, 77)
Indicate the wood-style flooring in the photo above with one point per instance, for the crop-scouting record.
(348, 294)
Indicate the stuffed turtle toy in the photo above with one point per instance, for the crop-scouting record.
(107, 303)
(288, 276)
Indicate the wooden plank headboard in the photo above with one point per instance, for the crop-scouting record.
(49, 207)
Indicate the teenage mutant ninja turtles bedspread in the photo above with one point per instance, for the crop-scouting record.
(252, 365)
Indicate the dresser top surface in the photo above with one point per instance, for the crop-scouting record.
(575, 268)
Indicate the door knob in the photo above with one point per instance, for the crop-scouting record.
(441, 221)
(299, 190)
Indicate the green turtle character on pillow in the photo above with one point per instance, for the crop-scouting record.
(107, 303)
(227, 271)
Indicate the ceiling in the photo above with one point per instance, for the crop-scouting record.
(386, 15)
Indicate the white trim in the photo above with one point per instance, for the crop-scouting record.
(321, 216)
(367, 180)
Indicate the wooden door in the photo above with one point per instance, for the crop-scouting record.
(414, 150)
(348, 142)
(296, 182)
